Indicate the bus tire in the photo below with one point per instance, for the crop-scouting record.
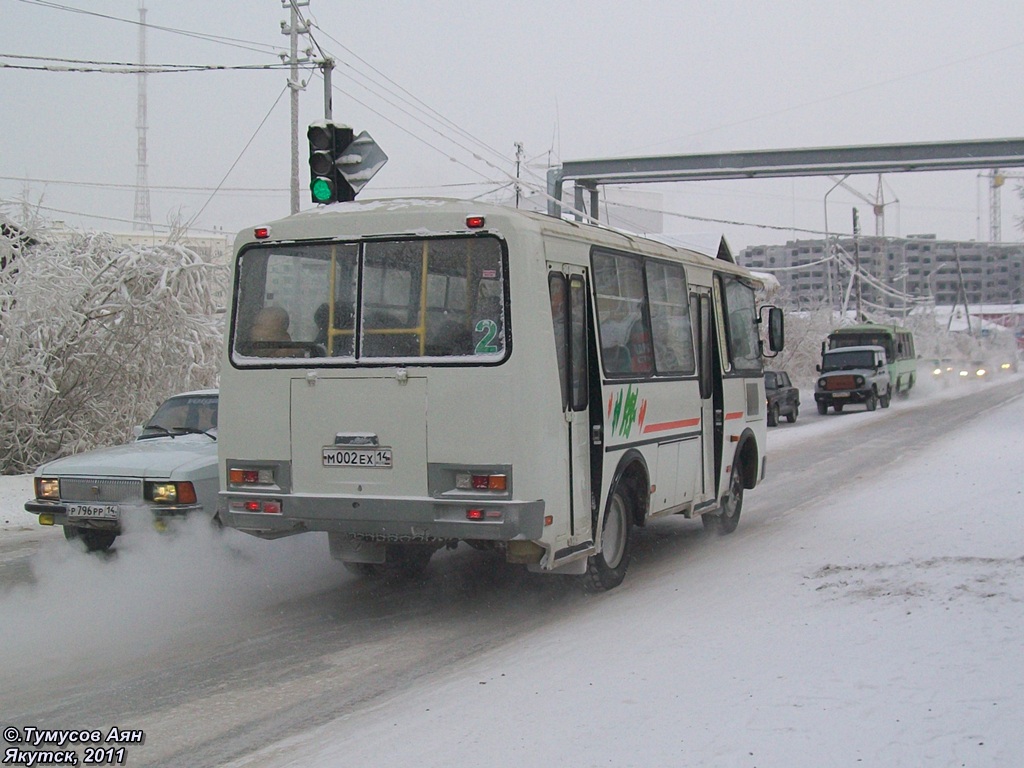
(607, 568)
(728, 518)
(363, 570)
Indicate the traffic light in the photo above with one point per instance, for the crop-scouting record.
(327, 145)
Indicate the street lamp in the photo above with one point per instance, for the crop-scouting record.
(828, 247)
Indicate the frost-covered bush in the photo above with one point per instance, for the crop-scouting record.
(94, 335)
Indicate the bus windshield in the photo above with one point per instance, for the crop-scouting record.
(882, 339)
(439, 298)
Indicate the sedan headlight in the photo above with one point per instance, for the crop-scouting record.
(47, 488)
(170, 493)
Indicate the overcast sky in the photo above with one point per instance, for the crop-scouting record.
(448, 88)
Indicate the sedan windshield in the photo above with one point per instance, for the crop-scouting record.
(183, 414)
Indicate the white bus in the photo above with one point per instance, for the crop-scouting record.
(407, 375)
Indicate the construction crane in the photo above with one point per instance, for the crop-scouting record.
(877, 204)
(996, 179)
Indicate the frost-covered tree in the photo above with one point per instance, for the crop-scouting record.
(94, 335)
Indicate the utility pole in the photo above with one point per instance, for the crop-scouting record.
(141, 219)
(856, 258)
(293, 29)
(519, 160)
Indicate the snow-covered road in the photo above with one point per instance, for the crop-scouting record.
(867, 611)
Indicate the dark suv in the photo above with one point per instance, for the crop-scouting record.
(783, 398)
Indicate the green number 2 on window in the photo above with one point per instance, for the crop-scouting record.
(486, 345)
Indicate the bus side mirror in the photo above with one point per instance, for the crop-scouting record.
(776, 330)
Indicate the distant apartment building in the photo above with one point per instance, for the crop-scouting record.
(945, 272)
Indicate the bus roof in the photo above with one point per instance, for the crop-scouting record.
(869, 327)
(446, 216)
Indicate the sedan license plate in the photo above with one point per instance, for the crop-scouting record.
(372, 457)
(95, 511)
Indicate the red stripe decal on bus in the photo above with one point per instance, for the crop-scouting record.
(671, 425)
(734, 415)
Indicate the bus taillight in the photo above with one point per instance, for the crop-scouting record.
(466, 481)
(250, 476)
(484, 514)
(268, 506)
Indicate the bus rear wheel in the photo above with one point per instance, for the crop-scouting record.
(728, 518)
(607, 568)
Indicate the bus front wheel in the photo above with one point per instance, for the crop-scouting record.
(607, 568)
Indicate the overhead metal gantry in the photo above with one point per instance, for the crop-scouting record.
(588, 175)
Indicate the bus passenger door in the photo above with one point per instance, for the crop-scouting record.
(567, 288)
(710, 383)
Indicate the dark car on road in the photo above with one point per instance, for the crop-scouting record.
(783, 398)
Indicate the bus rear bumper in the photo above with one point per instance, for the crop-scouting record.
(387, 520)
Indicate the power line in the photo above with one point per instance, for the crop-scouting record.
(230, 41)
(246, 147)
(105, 218)
(124, 68)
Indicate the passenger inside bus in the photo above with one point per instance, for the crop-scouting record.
(269, 333)
(341, 345)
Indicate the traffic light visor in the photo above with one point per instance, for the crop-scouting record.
(321, 137)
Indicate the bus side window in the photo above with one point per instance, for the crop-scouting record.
(641, 353)
(559, 319)
(579, 372)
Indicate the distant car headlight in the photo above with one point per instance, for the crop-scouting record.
(937, 372)
(170, 493)
(1005, 366)
(47, 488)
(980, 372)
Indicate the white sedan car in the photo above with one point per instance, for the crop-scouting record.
(170, 469)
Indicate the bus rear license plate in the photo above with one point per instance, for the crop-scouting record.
(373, 458)
(94, 511)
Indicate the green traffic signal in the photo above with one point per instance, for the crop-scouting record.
(322, 190)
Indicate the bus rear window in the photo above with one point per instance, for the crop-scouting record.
(441, 299)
